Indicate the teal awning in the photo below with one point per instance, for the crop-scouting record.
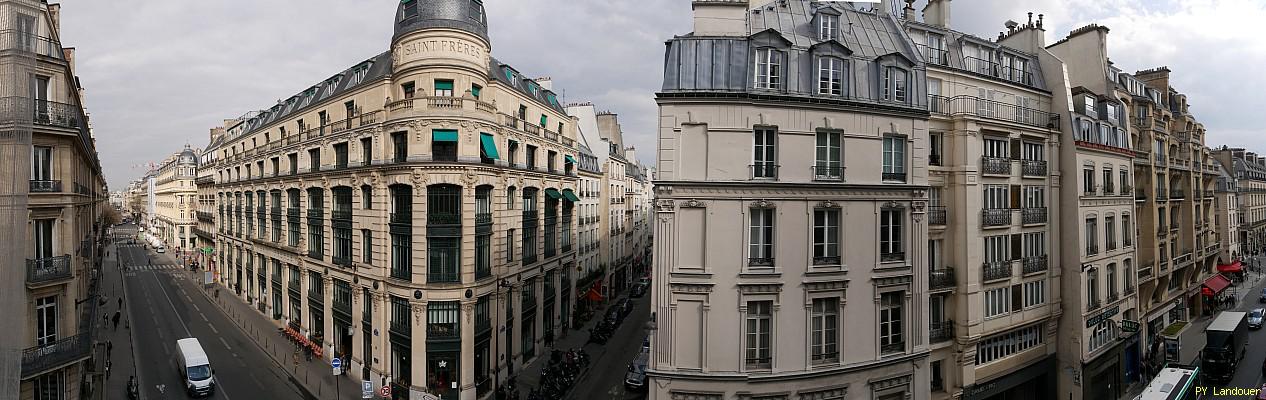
(488, 145)
(474, 91)
(441, 135)
(570, 196)
(443, 85)
(569, 159)
(553, 194)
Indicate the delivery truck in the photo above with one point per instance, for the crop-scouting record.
(1225, 341)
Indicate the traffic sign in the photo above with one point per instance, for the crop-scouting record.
(366, 390)
(336, 363)
(385, 391)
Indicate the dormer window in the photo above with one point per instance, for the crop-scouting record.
(894, 84)
(828, 26)
(1090, 106)
(1111, 110)
(768, 69)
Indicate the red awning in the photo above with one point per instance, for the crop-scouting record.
(1215, 285)
(1234, 267)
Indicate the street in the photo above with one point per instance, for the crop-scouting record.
(606, 374)
(162, 310)
(1249, 373)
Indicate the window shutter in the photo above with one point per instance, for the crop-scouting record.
(1015, 149)
(1015, 246)
(1017, 303)
(1015, 196)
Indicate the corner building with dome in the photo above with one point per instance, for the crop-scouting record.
(412, 215)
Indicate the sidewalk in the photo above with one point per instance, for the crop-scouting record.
(528, 377)
(314, 376)
(119, 341)
(1192, 336)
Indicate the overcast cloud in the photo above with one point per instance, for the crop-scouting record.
(160, 73)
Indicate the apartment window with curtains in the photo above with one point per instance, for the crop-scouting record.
(891, 244)
(768, 69)
(891, 322)
(828, 165)
(894, 84)
(894, 158)
(1092, 236)
(1127, 232)
(826, 239)
(764, 153)
(828, 26)
(758, 334)
(761, 237)
(824, 330)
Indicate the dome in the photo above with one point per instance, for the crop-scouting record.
(466, 15)
(187, 157)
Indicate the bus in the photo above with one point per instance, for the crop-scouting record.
(1174, 382)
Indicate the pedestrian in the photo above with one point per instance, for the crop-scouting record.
(116, 320)
(120, 303)
(109, 347)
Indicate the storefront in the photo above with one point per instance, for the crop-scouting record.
(1234, 270)
(1103, 375)
(1215, 296)
(1035, 382)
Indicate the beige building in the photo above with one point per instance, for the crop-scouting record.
(993, 268)
(765, 169)
(54, 228)
(450, 210)
(1226, 218)
(175, 201)
(1249, 171)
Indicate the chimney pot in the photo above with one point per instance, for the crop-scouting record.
(1039, 21)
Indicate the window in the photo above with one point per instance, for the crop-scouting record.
(340, 156)
(823, 329)
(1092, 288)
(1104, 334)
(936, 148)
(43, 236)
(293, 160)
(1110, 278)
(891, 317)
(42, 166)
(531, 157)
(996, 250)
(45, 320)
(996, 197)
(442, 320)
(314, 160)
(1034, 293)
(1092, 237)
(50, 386)
(366, 151)
(443, 245)
(891, 246)
(1033, 151)
(1034, 197)
(759, 329)
(894, 168)
(828, 164)
(446, 149)
(367, 197)
(826, 236)
(764, 153)
(1111, 110)
(1127, 232)
(894, 84)
(475, 89)
(761, 241)
(408, 89)
(443, 88)
(830, 76)
(1088, 180)
(938, 380)
(512, 152)
(999, 346)
(997, 301)
(367, 246)
(768, 69)
(1109, 232)
(399, 146)
(828, 26)
(1033, 244)
(1090, 106)
(550, 157)
(995, 148)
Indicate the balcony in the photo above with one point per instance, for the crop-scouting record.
(1145, 271)
(942, 278)
(46, 186)
(316, 213)
(934, 160)
(402, 218)
(1033, 168)
(483, 218)
(1177, 194)
(996, 217)
(1093, 304)
(47, 270)
(933, 55)
(206, 216)
(341, 214)
(990, 109)
(995, 165)
(996, 270)
(1035, 264)
(893, 177)
(823, 173)
(1033, 215)
(1162, 194)
(1126, 190)
(39, 359)
(940, 331)
(892, 257)
(763, 171)
(936, 215)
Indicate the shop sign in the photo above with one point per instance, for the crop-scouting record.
(1129, 326)
(1103, 316)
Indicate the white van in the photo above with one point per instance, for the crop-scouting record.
(195, 368)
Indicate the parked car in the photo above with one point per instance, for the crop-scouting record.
(614, 316)
(160, 249)
(1255, 318)
(635, 379)
(625, 306)
(638, 291)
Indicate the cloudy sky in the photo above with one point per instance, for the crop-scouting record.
(160, 73)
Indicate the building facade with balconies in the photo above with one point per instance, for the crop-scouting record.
(992, 155)
(176, 200)
(1226, 218)
(428, 241)
(589, 234)
(1098, 341)
(787, 129)
(1174, 200)
(54, 230)
(1249, 171)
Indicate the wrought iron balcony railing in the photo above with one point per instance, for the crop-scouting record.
(995, 165)
(46, 186)
(941, 278)
(996, 270)
(936, 215)
(1033, 215)
(940, 331)
(1033, 168)
(44, 270)
(991, 109)
(825, 173)
(996, 217)
(1035, 264)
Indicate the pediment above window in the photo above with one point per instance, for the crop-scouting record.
(897, 59)
(769, 38)
(831, 48)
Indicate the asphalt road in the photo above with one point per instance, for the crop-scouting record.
(163, 311)
(1249, 373)
(606, 375)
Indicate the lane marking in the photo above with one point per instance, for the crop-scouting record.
(213, 329)
(204, 317)
(173, 306)
(226, 344)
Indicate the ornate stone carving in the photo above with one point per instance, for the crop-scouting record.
(692, 203)
(893, 281)
(917, 206)
(893, 204)
(664, 205)
(417, 313)
(762, 204)
(469, 178)
(419, 178)
(889, 383)
(760, 288)
(826, 286)
(828, 204)
(689, 288)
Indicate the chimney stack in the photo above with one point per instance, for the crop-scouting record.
(908, 11)
(721, 17)
(55, 11)
(937, 13)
